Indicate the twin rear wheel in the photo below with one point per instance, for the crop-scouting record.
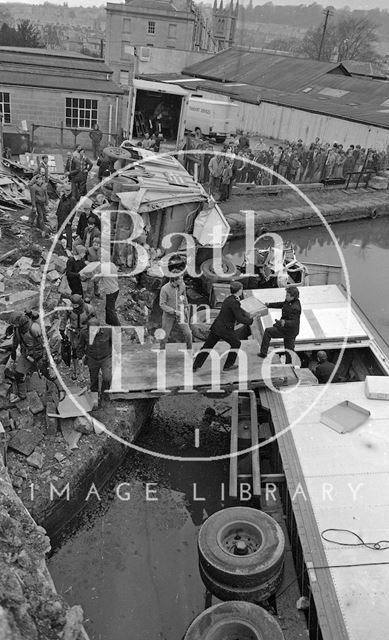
(241, 554)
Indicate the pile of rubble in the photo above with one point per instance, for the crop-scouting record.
(26, 423)
(30, 608)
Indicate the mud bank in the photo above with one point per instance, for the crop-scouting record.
(56, 494)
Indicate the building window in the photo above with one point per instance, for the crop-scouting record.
(127, 51)
(172, 32)
(127, 25)
(151, 26)
(81, 113)
(5, 107)
(124, 78)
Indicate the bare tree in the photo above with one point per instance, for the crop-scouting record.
(355, 38)
(310, 44)
(351, 38)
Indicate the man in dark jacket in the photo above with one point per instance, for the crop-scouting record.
(98, 354)
(85, 166)
(288, 326)
(223, 329)
(66, 205)
(324, 368)
(96, 136)
(74, 265)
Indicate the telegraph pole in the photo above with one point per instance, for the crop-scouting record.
(327, 14)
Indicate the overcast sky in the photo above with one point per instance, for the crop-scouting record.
(355, 4)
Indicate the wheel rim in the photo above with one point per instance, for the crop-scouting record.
(233, 630)
(240, 538)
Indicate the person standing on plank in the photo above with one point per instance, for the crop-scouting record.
(72, 323)
(98, 355)
(287, 327)
(223, 329)
(174, 303)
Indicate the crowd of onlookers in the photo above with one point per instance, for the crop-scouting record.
(297, 162)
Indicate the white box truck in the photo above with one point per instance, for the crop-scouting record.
(216, 118)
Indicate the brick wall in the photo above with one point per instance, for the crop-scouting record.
(47, 107)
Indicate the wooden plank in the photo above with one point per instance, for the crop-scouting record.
(146, 369)
(255, 466)
(233, 487)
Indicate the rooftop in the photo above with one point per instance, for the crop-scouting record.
(56, 70)
(318, 87)
(262, 69)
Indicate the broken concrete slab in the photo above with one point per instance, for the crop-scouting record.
(91, 269)
(34, 402)
(51, 418)
(35, 276)
(60, 263)
(60, 457)
(18, 301)
(78, 405)
(23, 262)
(25, 441)
(36, 459)
(71, 436)
(52, 276)
(5, 418)
(17, 483)
(83, 425)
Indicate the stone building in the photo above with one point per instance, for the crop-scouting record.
(60, 93)
(224, 23)
(151, 36)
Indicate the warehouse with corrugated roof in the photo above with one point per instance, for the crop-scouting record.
(290, 98)
(58, 94)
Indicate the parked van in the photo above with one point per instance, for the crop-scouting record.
(215, 118)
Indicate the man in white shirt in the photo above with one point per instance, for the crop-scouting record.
(110, 286)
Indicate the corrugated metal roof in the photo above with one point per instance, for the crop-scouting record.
(369, 69)
(60, 82)
(263, 69)
(370, 111)
(55, 70)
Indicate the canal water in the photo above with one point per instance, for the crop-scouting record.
(131, 561)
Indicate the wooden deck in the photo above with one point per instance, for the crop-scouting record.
(146, 371)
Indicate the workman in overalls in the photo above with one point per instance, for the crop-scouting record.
(72, 323)
(27, 335)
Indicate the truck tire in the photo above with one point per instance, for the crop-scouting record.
(247, 594)
(229, 269)
(260, 536)
(234, 620)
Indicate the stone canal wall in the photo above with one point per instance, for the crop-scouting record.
(30, 608)
(287, 210)
(58, 492)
